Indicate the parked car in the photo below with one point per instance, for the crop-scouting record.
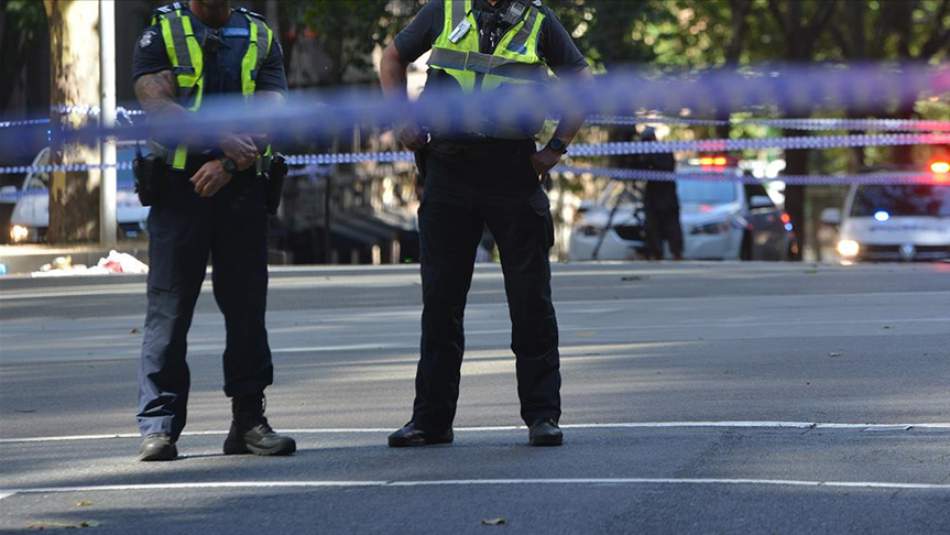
(721, 220)
(29, 220)
(888, 223)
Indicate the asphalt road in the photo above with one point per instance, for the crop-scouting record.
(718, 397)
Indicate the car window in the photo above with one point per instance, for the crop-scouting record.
(706, 192)
(37, 181)
(756, 190)
(902, 200)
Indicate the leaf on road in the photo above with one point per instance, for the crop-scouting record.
(494, 521)
(135, 330)
(83, 503)
(834, 354)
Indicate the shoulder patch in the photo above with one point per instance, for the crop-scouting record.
(146, 39)
(537, 3)
(247, 11)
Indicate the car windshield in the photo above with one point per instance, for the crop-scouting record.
(706, 192)
(902, 200)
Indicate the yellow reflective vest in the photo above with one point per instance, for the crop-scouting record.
(187, 60)
(515, 59)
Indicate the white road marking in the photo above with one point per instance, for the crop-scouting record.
(488, 429)
(6, 494)
(473, 482)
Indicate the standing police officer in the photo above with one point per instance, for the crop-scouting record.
(661, 204)
(490, 176)
(211, 202)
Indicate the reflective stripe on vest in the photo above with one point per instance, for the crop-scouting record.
(187, 59)
(515, 60)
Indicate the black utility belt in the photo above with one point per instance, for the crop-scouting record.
(154, 175)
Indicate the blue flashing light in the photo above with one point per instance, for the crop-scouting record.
(881, 216)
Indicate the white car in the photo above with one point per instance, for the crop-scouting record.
(721, 220)
(887, 223)
(30, 217)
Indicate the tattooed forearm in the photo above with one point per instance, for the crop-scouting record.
(156, 94)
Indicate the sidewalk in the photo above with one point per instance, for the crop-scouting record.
(25, 259)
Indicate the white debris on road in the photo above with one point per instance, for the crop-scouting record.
(116, 262)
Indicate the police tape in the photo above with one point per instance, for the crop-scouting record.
(91, 111)
(817, 124)
(890, 178)
(804, 124)
(587, 150)
(791, 91)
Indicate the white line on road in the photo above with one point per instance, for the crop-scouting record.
(487, 429)
(472, 482)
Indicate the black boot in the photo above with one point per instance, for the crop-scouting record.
(158, 447)
(409, 436)
(250, 432)
(545, 432)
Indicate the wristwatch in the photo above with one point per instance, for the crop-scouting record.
(557, 146)
(229, 166)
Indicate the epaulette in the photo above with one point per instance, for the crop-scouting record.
(247, 11)
(169, 8)
(166, 10)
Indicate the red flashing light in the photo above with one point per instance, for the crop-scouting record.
(785, 218)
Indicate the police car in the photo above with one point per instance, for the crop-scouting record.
(721, 220)
(896, 222)
(29, 220)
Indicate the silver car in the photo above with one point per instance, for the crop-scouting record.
(721, 220)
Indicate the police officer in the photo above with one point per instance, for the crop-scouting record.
(661, 204)
(490, 176)
(212, 203)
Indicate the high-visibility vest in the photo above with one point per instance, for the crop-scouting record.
(515, 59)
(187, 59)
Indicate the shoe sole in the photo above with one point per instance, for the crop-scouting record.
(168, 454)
(243, 448)
(400, 443)
(546, 441)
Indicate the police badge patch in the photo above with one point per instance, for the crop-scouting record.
(146, 39)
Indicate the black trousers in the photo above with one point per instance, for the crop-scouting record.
(454, 211)
(663, 225)
(184, 230)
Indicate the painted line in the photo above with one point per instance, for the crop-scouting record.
(6, 494)
(752, 424)
(478, 482)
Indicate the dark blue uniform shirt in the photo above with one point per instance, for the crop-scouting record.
(224, 48)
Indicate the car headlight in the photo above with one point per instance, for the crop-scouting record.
(19, 233)
(848, 248)
(717, 227)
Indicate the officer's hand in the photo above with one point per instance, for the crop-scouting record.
(544, 160)
(411, 136)
(210, 178)
(241, 149)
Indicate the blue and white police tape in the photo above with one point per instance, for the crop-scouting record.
(593, 150)
(790, 91)
(731, 175)
(818, 124)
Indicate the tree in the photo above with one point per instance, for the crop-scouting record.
(801, 25)
(907, 30)
(74, 196)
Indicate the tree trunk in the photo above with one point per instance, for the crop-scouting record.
(74, 48)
